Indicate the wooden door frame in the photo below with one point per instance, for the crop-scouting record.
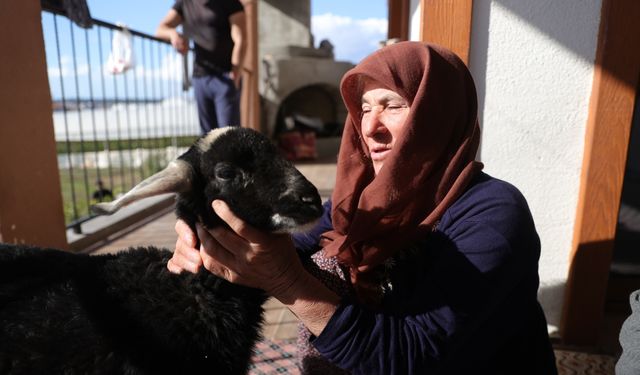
(31, 208)
(250, 98)
(447, 23)
(617, 68)
(398, 23)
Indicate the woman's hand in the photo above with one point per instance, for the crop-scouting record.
(247, 256)
(185, 257)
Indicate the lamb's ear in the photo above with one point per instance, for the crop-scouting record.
(177, 177)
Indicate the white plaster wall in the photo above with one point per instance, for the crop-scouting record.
(283, 23)
(415, 18)
(533, 66)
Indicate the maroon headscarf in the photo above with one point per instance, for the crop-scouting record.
(430, 165)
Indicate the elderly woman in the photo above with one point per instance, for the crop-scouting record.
(422, 263)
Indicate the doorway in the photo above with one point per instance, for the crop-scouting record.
(624, 274)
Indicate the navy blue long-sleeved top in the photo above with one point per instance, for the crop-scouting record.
(463, 300)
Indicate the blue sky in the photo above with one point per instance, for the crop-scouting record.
(145, 14)
(353, 26)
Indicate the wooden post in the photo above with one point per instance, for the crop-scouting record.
(250, 101)
(607, 138)
(398, 26)
(30, 198)
(448, 23)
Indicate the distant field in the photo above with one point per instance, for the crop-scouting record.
(126, 144)
(79, 184)
(83, 185)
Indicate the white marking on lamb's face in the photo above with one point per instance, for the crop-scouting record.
(289, 225)
(286, 193)
(292, 179)
(205, 143)
(280, 221)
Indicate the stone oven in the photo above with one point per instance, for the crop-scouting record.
(297, 80)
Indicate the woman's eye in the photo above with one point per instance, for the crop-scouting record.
(395, 108)
(365, 112)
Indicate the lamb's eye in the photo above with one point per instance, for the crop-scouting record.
(225, 172)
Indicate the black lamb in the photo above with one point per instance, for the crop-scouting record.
(124, 313)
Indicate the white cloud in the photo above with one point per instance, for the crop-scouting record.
(66, 68)
(83, 69)
(56, 72)
(353, 39)
(169, 68)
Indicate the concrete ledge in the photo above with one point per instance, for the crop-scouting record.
(101, 227)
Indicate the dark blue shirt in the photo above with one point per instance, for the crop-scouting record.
(463, 300)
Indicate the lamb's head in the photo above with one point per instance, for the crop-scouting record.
(241, 167)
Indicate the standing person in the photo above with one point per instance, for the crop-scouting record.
(423, 263)
(218, 29)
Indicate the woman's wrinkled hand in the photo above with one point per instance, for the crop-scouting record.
(247, 256)
(185, 257)
(244, 255)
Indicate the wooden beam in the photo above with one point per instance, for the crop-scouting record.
(607, 137)
(250, 99)
(448, 23)
(398, 26)
(30, 198)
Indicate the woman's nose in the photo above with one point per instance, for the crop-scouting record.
(373, 123)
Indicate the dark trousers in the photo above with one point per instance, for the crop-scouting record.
(218, 101)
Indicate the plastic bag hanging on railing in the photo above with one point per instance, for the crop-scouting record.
(121, 57)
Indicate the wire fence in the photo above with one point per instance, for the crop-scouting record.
(113, 130)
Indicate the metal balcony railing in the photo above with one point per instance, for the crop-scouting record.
(113, 130)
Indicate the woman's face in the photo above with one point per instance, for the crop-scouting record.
(384, 113)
